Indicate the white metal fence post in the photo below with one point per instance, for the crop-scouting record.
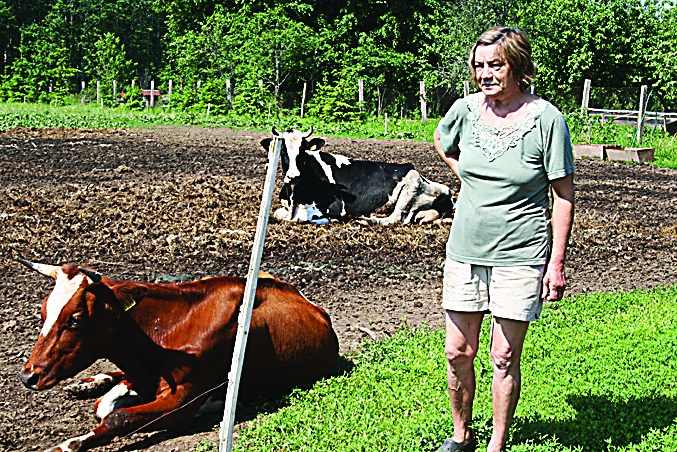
(244, 318)
(586, 96)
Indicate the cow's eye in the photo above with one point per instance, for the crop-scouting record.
(75, 321)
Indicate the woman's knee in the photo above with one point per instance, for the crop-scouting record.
(459, 355)
(505, 359)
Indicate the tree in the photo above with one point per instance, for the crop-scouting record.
(42, 72)
(108, 64)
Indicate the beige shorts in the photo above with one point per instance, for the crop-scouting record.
(507, 292)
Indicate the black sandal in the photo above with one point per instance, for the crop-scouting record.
(450, 445)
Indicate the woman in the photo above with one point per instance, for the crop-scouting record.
(510, 150)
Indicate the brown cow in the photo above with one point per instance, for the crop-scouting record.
(173, 343)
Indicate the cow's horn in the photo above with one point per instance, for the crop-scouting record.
(275, 132)
(47, 270)
(310, 132)
(91, 274)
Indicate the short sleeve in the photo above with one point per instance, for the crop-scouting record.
(558, 157)
(450, 127)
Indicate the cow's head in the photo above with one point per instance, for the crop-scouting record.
(293, 151)
(78, 327)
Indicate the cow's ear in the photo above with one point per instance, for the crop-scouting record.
(129, 294)
(266, 143)
(315, 144)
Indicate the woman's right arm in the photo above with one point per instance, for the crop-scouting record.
(451, 161)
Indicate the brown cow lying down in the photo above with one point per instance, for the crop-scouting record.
(173, 343)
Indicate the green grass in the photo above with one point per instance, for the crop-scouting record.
(89, 116)
(92, 117)
(664, 144)
(599, 374)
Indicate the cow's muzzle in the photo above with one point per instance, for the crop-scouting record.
(30, 380)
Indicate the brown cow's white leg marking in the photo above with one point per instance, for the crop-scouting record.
(118, 397)
(71, 445)
(64, 290)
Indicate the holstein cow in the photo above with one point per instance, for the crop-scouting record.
(173, 344)
(319, 186)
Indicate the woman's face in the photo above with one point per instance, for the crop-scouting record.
(493, 73)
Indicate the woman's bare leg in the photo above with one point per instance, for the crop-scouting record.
(463, 331)
(507, 341)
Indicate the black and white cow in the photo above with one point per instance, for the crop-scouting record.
(319, 186)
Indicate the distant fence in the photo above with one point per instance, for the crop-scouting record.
(640, 117)
(376, 100)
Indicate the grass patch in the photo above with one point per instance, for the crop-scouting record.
(88, 116)
(599, 373)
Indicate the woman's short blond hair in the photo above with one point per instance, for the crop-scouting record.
(514, 47)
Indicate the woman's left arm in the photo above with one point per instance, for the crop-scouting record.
(554, 281)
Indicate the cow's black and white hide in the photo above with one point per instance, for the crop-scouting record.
(319, 186)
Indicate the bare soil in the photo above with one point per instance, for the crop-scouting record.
(145, 204)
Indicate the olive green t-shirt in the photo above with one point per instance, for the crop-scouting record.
(502, 214)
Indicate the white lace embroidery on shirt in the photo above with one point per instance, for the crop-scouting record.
(495, 141)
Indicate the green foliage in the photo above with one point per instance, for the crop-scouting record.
(590, 129)
(252, 98)
(205, 446)
(42, 74)
(603, 41)
(336, 99)
(598, 374)
(132, 99)
(390, 45)
(108, 64)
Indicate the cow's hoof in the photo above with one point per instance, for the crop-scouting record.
(426, 216)
(282, 214)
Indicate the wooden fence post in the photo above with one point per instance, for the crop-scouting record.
(466, 89)
(360, 95)
(115, 89)
(133, 84)
(303, 98)
(424, 108)
(82, 98)
(378, 101)
(169, 93)
(640, 113)
(152, 93)
(386, 124)
(229, 94)
(586, 97)
(98, 93)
